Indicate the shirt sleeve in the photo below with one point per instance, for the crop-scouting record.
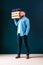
(16, 23)
(27, 26)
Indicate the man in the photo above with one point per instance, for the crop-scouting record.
(23, 27)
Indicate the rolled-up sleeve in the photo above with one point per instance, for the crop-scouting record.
(16, 23)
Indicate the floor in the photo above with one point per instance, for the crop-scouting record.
(9, 59)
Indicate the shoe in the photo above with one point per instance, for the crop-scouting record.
(18, 56)
(27, 57)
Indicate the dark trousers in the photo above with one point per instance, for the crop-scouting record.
(20, 38)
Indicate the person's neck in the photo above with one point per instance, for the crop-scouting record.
(22, 17)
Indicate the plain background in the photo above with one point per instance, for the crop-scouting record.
(8, 37)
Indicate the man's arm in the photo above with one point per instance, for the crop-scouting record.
(16, 23)
(27, 26)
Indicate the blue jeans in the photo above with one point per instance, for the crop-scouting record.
(19, 39)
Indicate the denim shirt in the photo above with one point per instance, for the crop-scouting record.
(25, 26)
